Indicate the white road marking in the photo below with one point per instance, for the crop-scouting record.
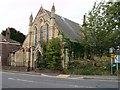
(29, 74)
(21, 80)
(76, 86)
(80, 86)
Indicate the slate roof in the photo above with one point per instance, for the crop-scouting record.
(70, 29)
(4, 39)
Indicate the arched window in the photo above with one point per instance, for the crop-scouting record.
(47, 32)
(41, 34)
(35, 36)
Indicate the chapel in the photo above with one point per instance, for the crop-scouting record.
(45, 26)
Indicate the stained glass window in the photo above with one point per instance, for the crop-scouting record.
(35, 36)
(41, 34)
(47, 32)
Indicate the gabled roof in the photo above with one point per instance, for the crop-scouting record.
(4, 39)
(70, 29)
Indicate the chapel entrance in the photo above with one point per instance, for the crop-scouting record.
(38, 59)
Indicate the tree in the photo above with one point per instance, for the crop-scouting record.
(103, 26)
(53, 54)
(15, 35)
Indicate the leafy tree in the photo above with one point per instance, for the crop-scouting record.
(53, 55)
(103, 26)
(15, 35)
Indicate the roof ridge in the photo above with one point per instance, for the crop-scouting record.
(62, 16)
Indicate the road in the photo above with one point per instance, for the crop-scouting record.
(19, 80)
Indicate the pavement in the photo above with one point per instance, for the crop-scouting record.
(52, 75)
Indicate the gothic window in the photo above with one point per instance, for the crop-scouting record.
(41, 34)
(47, 32)
(35, 36)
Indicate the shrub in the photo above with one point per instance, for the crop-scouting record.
(87, 69)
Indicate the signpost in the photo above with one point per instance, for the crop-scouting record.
(115, 58)
(111, 51)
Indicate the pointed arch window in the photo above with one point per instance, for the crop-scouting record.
(47, 32)
(41, 34)
(35, 36)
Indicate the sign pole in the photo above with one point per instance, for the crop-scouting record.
(117, 61)
(117, 67)
(111, 51)
(111, 66)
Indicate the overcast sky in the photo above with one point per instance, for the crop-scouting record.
(15, 13)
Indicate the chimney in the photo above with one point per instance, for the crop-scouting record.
(8, 33)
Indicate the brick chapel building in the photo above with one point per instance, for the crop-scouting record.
(7, 45)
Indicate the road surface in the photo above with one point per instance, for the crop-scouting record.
(19, 80)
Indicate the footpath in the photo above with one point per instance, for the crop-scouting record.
(57, 75)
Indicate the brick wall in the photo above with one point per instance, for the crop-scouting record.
(6, 49)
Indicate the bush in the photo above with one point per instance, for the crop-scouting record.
(87, 69)
(74, 64)
(42, 64)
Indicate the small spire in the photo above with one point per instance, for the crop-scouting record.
(53, 8)
(30, 19)
(31, 16)
(41, 7)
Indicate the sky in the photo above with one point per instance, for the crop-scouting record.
(15, 13)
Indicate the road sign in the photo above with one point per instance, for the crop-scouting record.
(117, 58)
(112, 56)
(113, 65)
(111, 50)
